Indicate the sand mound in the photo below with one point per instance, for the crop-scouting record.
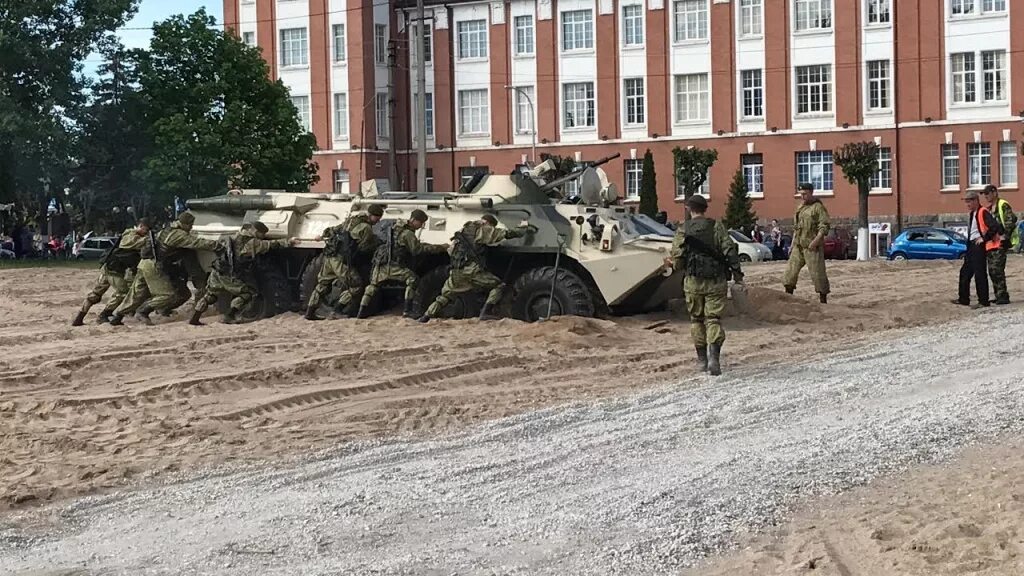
(776, 307)
(572, 329)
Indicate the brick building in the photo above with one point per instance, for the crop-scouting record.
(773, 85)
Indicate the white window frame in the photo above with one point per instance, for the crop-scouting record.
(751, 18)
(523, 112)
(477, 112)
(380, 44)
(633, 29)
(472, 39)
(975, 8)
(428, 44)
(691, 12)
(754, 92)
(294, 51)
(877, 13)
(880, 84)
(687, 89)
(1008, 152)
(429, 121)
(301, 103)
(524, 40)
(999, 74)
(753, 174)
(966, 76)
(884, 174)
(630, 97)
(339, 49)
(249, 38)
(577, 30)
(633, 171)
(812, 16)
(950, 155)
(340, 116)
(820, 85)
(705, 188)
(972, 70)
(980, 153)
(380, 105)
(585, 102)
(340, 177)
(824, 161)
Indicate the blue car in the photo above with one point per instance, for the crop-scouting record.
(928, 244)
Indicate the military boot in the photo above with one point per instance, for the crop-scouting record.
(363, 313)
(351, 309)
(142, 315)
(79, 319)
(423, 319)
(790, 290)
(485, 312)
(714, 359)
(231, 317)
(311, 313)
(103, 318)
(702, 358)
(117, 320)
(410, 309)
(823, 298)
(194, 320)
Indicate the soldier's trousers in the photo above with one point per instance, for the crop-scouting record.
(815, 262)
(163, 292)
(241, 294)
(392, 273)
(106, 281)
(997, 272)
(705, 302)
(466, 280)
(336, 273)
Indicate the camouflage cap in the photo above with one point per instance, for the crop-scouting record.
(187, 218)
(375, 210)
(990, 189)
(260, 227)
(490, 219)
(418, 215)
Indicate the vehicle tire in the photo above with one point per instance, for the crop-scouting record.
(465, 305)
(744, 258)
(900, 256)
(307, 281)
(961, 256)
(274, 297)
(532, 291)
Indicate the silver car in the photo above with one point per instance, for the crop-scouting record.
(94, 247)
(749, 250)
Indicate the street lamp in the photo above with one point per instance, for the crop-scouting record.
(533, 120)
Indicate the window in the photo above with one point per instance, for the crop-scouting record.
(578, 104)
(524, 35)
(430, 179)
(340, 178)
(381, 104)
(380, 43)
(577, 30)
(472, 39)
(691, 97)
(705, 188)
(428, 44)
(633, 25)
(751, 17)
(979, 164)
(294, 47)
(301, 104)
(814, 89)
(882, 180)
(753, 93)
(993, 6)
(972, 7)
(813, 15)
(249, 38)
(950, 166)
(338, 32)
(690, 20)
(1007, 163)
(993, 67)
(466, 173)
(428, 114)
(753, 173)
(636, 109)
(878, 84)
(816, 168)
(341, 115)
(524, 110)
(879, 12)
(473, 112)
(963, 67)
(634, 174)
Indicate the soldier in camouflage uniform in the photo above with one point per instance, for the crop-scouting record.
(469, 265)
(345, 247)
(1003, 212)
(162, 281)
(811, 225)
(121, 258)
(395, 261)
(709, 258)
(234, 272)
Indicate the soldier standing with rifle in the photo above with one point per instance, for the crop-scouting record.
(395, 261)
(703, 250)
(123, 256)
(234, 271)
(344, 246)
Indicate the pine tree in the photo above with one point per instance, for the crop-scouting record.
(648, 187)
(739, 211)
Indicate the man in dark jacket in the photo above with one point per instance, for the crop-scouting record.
(984, 234)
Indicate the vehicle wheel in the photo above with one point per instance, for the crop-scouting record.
(274, 297)
(307, 282)
(744, 258)
(899, 256)
(961, 256)
(532, 293)
(465, 305)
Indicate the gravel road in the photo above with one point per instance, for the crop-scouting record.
(642, 485)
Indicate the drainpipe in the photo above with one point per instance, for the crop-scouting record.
(896, 116)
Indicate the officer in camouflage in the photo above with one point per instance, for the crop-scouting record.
(345, 246)
(1003, 212)
(811, 225)
(709, 258)
(234, 272)
(395, 261)
(123, 256)
(162, 281)
(469, 264)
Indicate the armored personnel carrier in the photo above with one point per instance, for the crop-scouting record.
(588, 256)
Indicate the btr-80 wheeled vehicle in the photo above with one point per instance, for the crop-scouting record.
(588, 256)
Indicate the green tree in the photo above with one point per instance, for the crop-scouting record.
(739, 211)
(648, 187)
(859, 162)
(215, 117)
(691, 168)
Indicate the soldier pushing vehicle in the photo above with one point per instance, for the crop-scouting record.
(345, 247)
(234, 271)
(121, 258)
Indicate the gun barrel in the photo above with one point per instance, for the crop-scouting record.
(576, 173)
(231, 204)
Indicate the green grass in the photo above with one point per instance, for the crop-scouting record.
(76, 264)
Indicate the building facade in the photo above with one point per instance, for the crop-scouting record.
(774, 85)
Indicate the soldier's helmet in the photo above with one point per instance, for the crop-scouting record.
(375, 210)
(490, 219)
(418, 215)
(187, 218)
(260, 228)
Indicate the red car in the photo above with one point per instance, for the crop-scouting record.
(838, 244)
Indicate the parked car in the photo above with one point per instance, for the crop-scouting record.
(838, 243)
(95, 247)
(750, 251)
(780, 251)
(928, 244)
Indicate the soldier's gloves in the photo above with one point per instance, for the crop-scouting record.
(531, 229)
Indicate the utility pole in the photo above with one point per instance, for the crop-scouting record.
(392, 168)
(421, 104)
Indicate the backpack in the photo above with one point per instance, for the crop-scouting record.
(465, 249)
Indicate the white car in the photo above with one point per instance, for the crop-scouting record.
(750, 251)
